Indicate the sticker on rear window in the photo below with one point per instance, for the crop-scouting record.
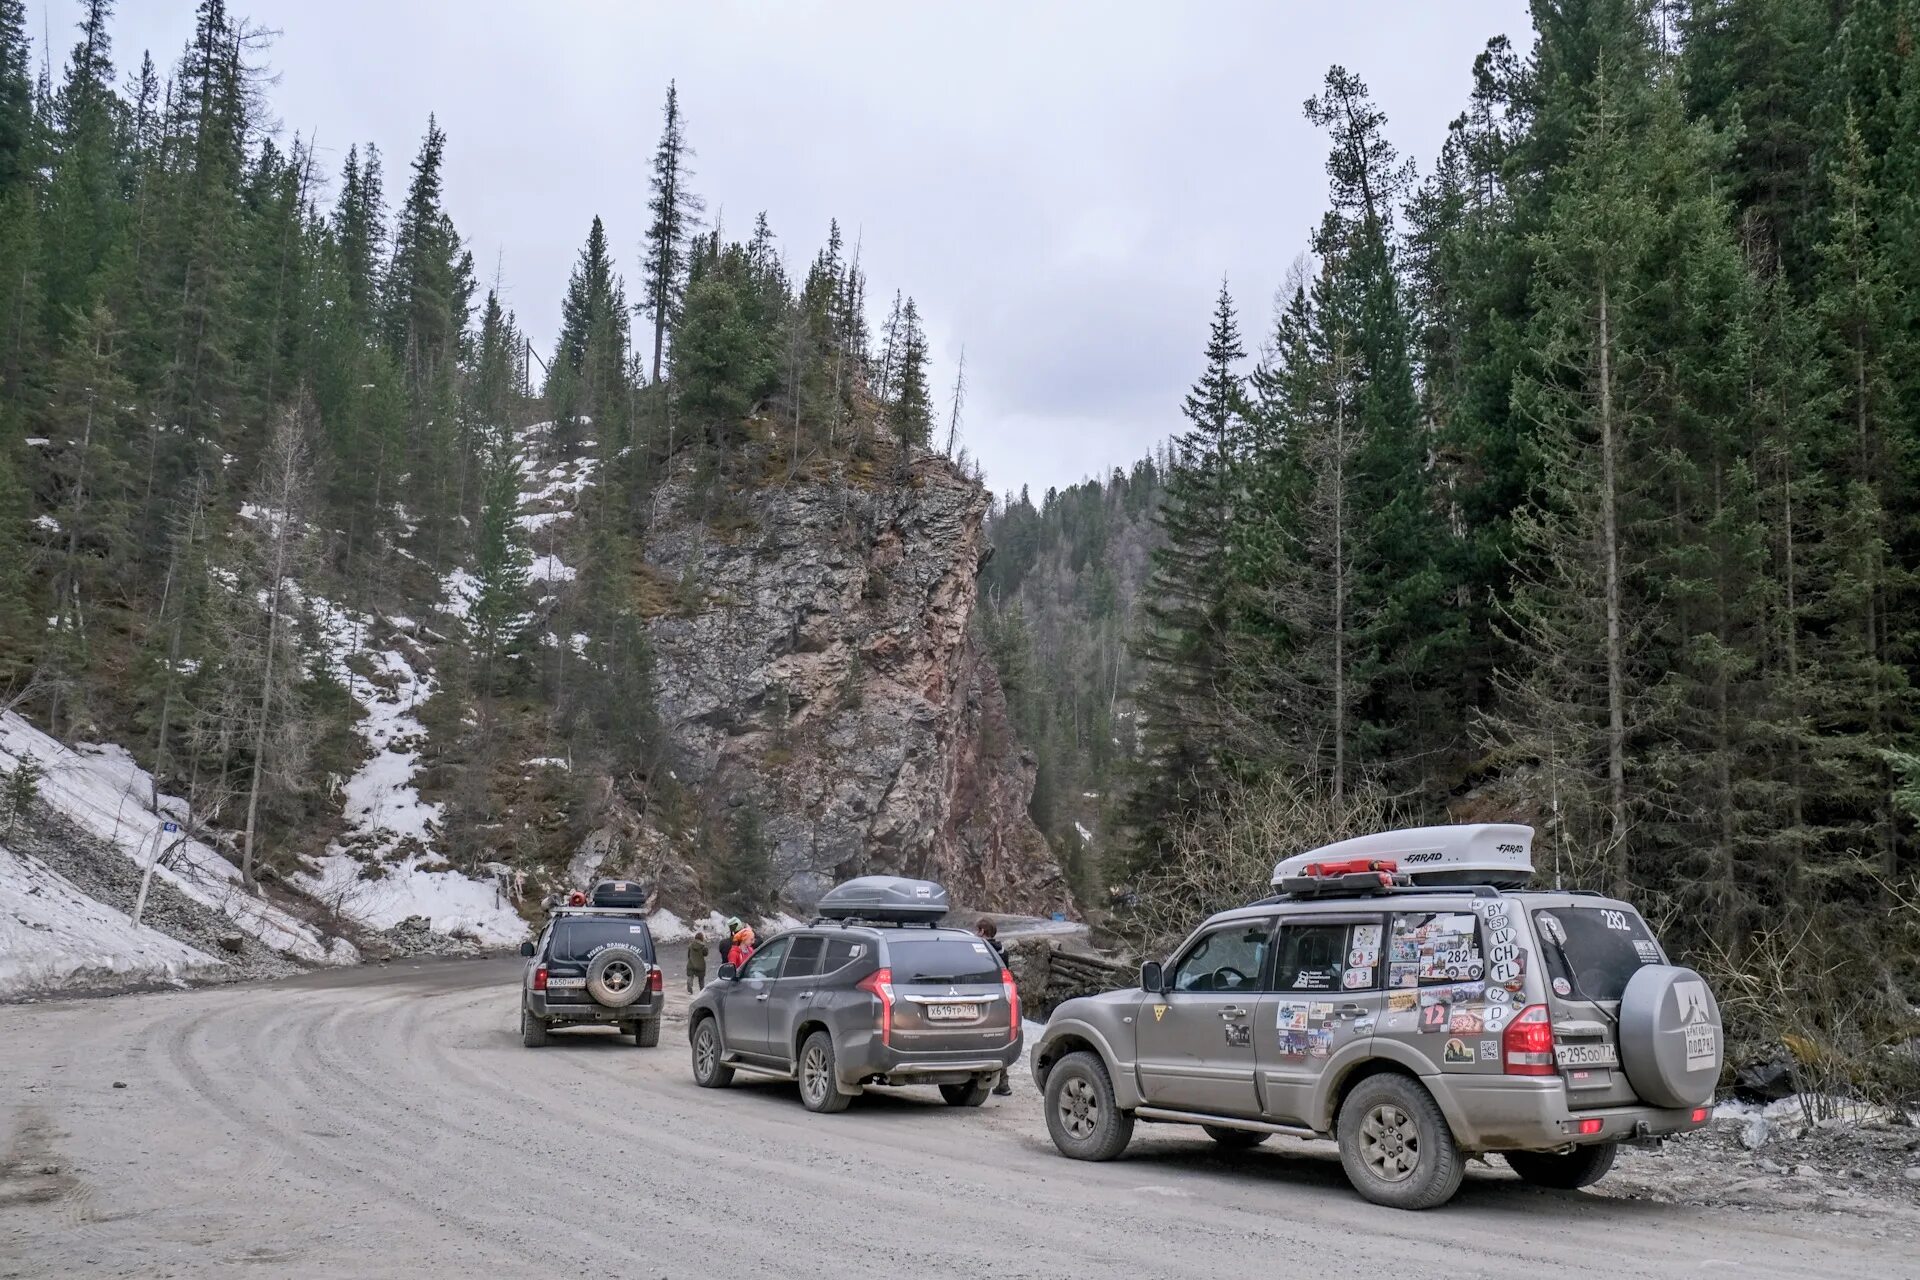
(981, 947)
(1647, 951)
(633, 928)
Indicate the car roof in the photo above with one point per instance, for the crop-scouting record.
(884, 930)
(603, 916)
(1415, 898)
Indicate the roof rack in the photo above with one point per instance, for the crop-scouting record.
(588, 909)
(860, 922)
(1386, 891)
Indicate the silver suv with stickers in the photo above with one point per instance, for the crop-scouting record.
(1408, 996)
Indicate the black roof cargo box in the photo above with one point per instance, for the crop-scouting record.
(885, 898)
(622, 893)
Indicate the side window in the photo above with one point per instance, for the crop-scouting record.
(1230, 959)
(842, 952)
(766, 961)
(1327, 957)
(1433, 947)
(803, 961)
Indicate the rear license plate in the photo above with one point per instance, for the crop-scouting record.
(1586, 1055)
(565, 984)
(952, 1012)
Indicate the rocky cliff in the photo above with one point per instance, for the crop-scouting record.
(818, 664)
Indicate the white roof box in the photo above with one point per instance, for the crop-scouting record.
(1491, 853)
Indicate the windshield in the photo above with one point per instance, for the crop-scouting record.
(950, 960)
(577, 940)
(1600, 950)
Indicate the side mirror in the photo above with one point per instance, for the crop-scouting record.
(727, 973)
(526, 949)
(1153, 977)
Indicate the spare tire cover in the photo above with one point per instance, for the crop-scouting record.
(616, 976)
(1671, 1041)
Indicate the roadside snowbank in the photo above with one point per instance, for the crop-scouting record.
(53, 936)
(102, 791)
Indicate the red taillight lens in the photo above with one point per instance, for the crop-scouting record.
(1527, 1046)
(1013, 1003)
(1589, 1127)
(879, 985)
(540, 978)
(1699, 1115)
(654, 983)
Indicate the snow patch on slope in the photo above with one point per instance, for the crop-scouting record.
(54, 936)
(384, 868)
(100, 789)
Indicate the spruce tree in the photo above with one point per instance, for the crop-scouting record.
(1183, 650)
(675, 214)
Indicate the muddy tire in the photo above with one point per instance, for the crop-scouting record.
(1083, 1118)
(1395, 1144)
(1235, 1139)
(1563, 1171)
(819, 1086)
(646, 1033)
(709, 1072)
(970, 1094)
(533, 1031)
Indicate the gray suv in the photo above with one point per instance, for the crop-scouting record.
(1417, 1017)
(873, 992)
(592, 966)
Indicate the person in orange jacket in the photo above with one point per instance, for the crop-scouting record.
(742, 949)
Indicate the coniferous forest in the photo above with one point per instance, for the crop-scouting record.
(1571, 479)
(251, 410)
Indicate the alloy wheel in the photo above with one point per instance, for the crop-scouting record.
(813, 1073)
(1390, 1143)
(1079, 1108)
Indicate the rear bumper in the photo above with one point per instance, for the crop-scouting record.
(863, 1058)
(589, 1012)
(1506, 1113)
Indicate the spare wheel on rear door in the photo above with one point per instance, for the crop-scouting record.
(1671, 1040)
(616, 976)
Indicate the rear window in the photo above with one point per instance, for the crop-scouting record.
(841, 953)
(804, 960)
(949, 960)
(579, 939)
(1593, 951)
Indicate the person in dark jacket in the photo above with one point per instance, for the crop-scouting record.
(697, 961)
(990, 934)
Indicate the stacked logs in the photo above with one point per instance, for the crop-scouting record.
(1051, 970)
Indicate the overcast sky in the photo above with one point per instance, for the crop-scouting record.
(1061, 186)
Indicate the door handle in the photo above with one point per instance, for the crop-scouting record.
(806, 995)
(1349, 1011)
(761, 996)
(1233, 1011)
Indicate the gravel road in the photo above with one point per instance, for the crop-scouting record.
(385, 1121)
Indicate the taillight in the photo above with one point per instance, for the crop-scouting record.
(654, 983)
(1699, 1115)
(1527, 1045)
(1013, 1003)
(1590, 1126)
(879, 985)
(540, 978)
